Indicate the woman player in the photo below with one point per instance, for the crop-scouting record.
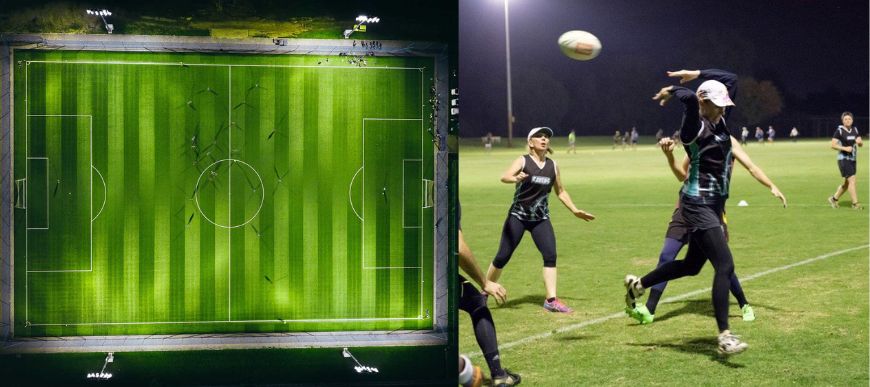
(678, 235)
(534, 175)
(846, 140)
(708, 143)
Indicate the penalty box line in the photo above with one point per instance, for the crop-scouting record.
(48, 208)
(599, 320)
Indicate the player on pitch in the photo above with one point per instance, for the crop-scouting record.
(678, 234)
(846, 141)
(473, 302)
(709, 145)
(534, 175)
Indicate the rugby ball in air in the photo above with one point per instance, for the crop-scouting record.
(579, 45)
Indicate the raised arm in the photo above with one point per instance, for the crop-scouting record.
(566, 199)
(755, 170)
(514, 173)
(691, 125)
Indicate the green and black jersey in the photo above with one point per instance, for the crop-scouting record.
(530, 199)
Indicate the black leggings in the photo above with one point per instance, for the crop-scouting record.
(703, 244)
(512, 234)
(474, 302)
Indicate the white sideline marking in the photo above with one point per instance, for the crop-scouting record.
(583, 324)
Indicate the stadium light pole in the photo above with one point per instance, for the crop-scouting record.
(102, 14)
(507, 43)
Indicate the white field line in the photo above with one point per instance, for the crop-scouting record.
(572, 327)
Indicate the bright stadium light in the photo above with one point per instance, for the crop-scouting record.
(360, 25)
(110, 358)
(102, 14)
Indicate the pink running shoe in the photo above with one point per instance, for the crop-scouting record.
(557, 306)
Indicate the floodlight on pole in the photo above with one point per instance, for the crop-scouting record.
(102, 14)
(507, 42)
(361, 21)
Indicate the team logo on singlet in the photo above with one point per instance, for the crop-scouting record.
(543, 180)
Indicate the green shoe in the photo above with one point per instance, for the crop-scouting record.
(748, 313)
(641, 314)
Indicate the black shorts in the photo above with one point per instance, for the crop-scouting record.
(677, 228)
(847, 167)
(702, 216)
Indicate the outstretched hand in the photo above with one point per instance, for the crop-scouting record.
(685, 76)
(664, 95)
(775, 191)
(584, 215)
(496, 291)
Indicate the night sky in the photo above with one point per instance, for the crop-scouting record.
(814, 52)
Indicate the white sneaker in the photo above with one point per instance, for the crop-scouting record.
(730, 344)
(633, 290)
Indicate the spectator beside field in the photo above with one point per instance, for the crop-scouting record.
(744, 134)
(794, 134)
(626, 138)
(771, 134)
(709, 144)
(846, 141)
(759, 134)
(487, 142)
(572, 142)
(634, 138)
(534, 176)
(617, 139)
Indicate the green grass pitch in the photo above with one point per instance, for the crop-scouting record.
(811, 326)
(199, 193)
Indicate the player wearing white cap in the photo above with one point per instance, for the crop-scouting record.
(846, 141)
(708, 143)
(534, 175)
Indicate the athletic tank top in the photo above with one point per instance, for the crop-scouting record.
(847, 138)
(710, 162)
(530, 199)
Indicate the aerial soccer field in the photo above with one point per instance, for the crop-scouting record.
(199, 193)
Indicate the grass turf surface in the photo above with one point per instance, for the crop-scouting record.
(811, 325)
(225, 188)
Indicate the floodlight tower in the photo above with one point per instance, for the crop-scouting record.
(361, 22)
(102, 14)
(507, 43)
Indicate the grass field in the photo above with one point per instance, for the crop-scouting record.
(811, 326)
(185, 193)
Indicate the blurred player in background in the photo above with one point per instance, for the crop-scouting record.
(846, 141)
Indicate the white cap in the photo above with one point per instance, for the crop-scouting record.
(544, 129)
(715, 92)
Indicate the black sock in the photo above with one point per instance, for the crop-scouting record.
(551, 299)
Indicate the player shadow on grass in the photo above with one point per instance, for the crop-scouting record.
(705, 308)
(705, 345)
